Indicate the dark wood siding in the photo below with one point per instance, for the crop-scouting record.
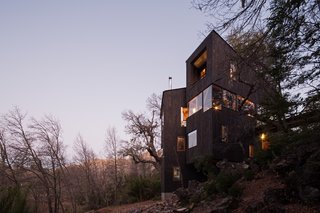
(172, 101)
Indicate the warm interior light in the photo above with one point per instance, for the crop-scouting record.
(194, 110)
(217, 107)
(263, 136)
(203, 73)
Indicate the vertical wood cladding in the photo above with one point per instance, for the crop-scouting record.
(237, 126)
(172, 101)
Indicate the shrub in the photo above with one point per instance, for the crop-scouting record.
(141, 188)
(224, 181)
(248, 175)
(263, 157)
(13, 200)
(206, 165)
(210, 187)
(235, 190)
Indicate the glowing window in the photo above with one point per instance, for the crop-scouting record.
(184, 116)
(203, 73)
(195, 104)
(251, 151)
(192, 139)
(264, 141)
(207, 98)
(181, 144)
(199, 67)
(176, 173)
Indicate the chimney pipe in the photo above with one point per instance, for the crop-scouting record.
(170, 82)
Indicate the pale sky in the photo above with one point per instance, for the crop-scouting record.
(87, 61)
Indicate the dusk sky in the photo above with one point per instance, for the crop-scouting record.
(85, 62)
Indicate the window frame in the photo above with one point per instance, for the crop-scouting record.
(191, 136)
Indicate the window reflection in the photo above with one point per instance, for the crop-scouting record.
(195, 104)
(207, 98)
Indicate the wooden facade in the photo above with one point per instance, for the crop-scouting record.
(225, 129)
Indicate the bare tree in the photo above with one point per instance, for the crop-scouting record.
(7, 159)
(87, 161)
(111, 143)
(143, 129)
(38, 151)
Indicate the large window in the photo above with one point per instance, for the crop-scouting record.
(229, 100)
(192, 139)
(195, 104)
(216, 98)
(207, 98)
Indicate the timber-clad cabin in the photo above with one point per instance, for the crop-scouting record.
(211, 116)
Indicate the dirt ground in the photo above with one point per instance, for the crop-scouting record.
(128, 207)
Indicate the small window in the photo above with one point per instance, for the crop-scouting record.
(251, 151)
(192, 139)
(183, 116)
(224, 134)
(233, 71)
(199, 67)
(207, 98)
(176, 173)
(264, 141)
(195, 104)
(181, 144)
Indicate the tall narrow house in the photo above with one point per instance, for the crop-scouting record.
(211, 116)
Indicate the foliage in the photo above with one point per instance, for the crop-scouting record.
(210, 187)
(144, 131)
(206, 165)
(142, 188)
(280, 40)
(235, 190)
(248, 175)
(224, 181)
(13, 200)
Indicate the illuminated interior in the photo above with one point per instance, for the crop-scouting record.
(251, 151)
(201, 60)
(264, 141)
(176, 173)
(200, 67)
(203, 73)
(195, 104)
(184, 116)
(181, 144)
